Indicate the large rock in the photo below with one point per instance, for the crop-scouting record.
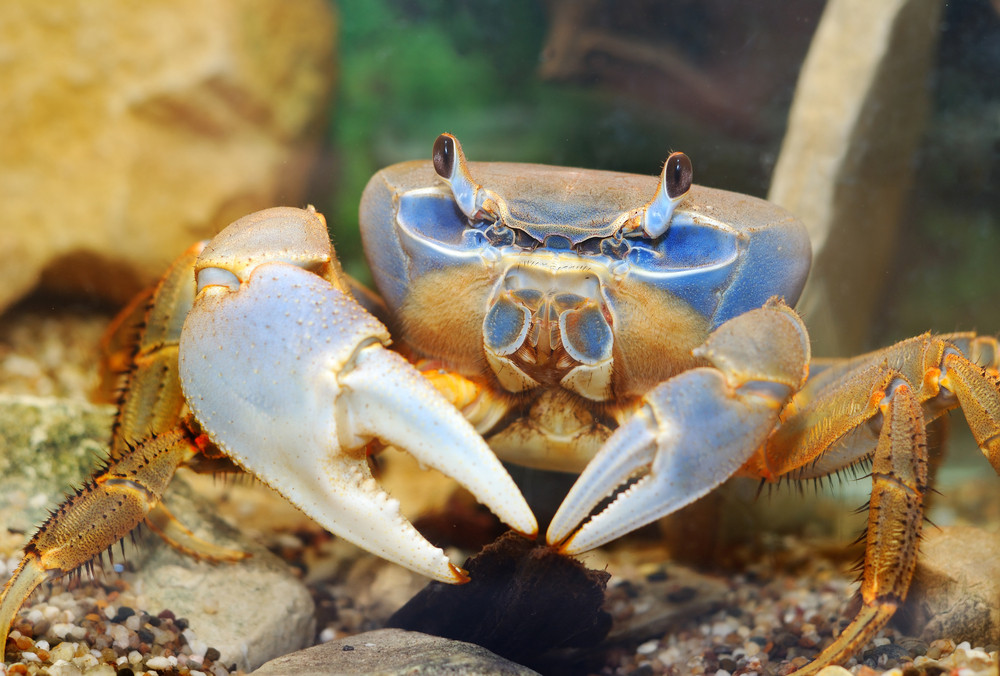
(251, 611)
(132, 129)
(847, 159)
(393, 651)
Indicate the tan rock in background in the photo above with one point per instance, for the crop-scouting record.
(129, 130)
(847, 160)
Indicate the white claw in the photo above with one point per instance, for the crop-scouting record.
(627, 452)
(385, 397)
(288, 376)
(692, 434)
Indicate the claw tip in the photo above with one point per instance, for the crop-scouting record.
(566, 546)
(461, 575)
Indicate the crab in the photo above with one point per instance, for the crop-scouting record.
(635, 330)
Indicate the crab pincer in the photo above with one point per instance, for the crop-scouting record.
(729, 407)
(292, 380)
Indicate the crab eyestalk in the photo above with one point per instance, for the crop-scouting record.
(449, 163)
(653, 219)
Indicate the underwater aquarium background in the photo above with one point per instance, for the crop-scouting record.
(602, 84)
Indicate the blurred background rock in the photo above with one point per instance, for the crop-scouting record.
(132, 129)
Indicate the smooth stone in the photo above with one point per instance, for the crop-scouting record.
(393, 651)
(846, 162)
(250, 611)
(955, 591)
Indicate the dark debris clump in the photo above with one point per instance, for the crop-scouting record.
(524, 600)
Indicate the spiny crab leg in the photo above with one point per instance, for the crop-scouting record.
(730, 409)
(101, 513)
(290, 377)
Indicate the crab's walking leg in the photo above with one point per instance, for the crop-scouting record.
(978, 391)
(895, 515)
(150, 400)
(143, 342)
(100, 514)
(759, 361)
(878, 406)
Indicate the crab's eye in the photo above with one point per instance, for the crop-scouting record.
(444, 155)
(675, 181)
(676, 174)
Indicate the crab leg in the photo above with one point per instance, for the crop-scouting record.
(895, 515)
(100, 514)
(759, 360)
(878, 406)
(143, 340)
(290, 377)
(978, 393)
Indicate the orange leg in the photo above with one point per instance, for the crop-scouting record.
(895, 518)
(144, 337)
(978, 392)
(878, 406)
(100, 514)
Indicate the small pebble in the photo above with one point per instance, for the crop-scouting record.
(86, 661)
(64, 668)
(120, 635)
(64, 651)
(158, 662)
(648, 648)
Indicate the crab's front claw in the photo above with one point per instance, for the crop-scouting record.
(289, 376)
(664, 445)
(691, 433)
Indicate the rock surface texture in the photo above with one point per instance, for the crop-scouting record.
(393, 651)
(131, 130)
(956, 587)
